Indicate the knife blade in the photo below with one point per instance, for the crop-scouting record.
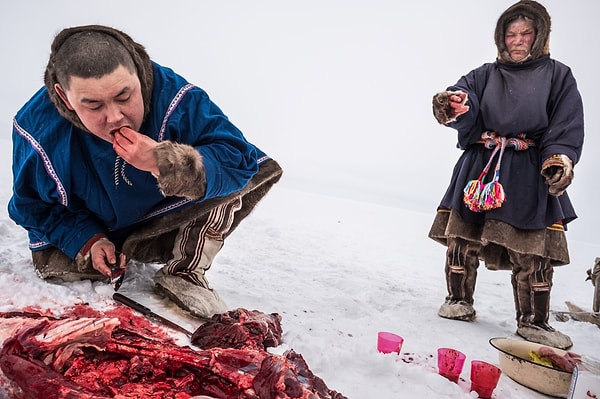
(147, 312)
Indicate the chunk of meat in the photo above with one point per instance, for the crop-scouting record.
(289, 377)
(566, 362)
(240, 329)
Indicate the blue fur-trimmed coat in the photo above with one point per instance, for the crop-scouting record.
(69, 185)
(539, 98)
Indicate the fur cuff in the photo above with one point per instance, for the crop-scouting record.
(181, 170)
(442, 110)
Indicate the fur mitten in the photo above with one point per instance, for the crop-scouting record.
(558, 171)
(181, 170)
(445, 109)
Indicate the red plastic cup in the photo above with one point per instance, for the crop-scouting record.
(450, 363)
(484, 378)
(388, 342)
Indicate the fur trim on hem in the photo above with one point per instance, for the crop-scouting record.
(181, 170)
(497, 238)
(153, 241)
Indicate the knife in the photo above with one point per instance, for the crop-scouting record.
(117, 274)
(117, 296)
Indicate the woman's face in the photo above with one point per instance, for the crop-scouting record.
(106, 104)
(519, 38)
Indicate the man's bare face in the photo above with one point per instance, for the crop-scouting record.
(106, 104)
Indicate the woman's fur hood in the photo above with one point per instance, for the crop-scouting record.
(138, 53)
(541, 21)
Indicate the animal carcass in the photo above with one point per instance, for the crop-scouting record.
(118, 354)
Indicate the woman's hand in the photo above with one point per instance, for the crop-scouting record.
(458, 103)
(449, 105)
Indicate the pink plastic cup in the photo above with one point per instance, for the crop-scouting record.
(450, 363)
(484, 378)
(388, 342)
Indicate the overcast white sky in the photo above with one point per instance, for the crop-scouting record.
(338, 91)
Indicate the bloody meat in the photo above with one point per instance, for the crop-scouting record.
(240, 329)
(118, 354)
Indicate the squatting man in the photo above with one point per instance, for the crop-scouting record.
(119, 158)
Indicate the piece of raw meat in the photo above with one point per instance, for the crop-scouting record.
(240, 329)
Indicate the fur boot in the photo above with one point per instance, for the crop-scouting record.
(52, 264)
(199, 301)
(594, 277)
(532, 282)
(461, 274)
(197, 243)
(457, 310)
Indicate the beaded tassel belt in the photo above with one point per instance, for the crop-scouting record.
(479, 196)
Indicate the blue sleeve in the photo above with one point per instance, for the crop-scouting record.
(40, 201)
(230, 161)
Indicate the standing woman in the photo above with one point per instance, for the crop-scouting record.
(520, 126)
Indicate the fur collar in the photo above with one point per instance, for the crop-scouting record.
(541, 21)
(137, 51)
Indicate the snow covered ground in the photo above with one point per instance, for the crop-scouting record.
(339, 271)
(339, 92)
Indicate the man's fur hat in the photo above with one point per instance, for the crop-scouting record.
(541, 22)
(140, 57)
